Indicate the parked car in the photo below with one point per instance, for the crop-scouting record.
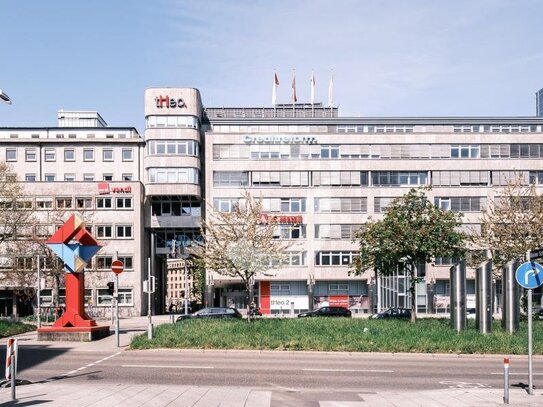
(326, 312)
(212, 313)
(393, 313)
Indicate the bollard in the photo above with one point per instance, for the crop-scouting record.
(483, 284)
(458, 296)
(11, 364)
(506, 380)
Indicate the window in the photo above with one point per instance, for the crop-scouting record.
(230, 178)
(335, 258)
(103, 262)
(44, 203)
(104, 231)
(107, 177)
(69, 154)
(340, 178)
(225, 204)
(88, 177)
(125, 297)
(49, 177)
(88, 154)
(30, 177)
(30, 154)
(107, 154)
(11, 154)
(293, 205)
(104, 203)
(460, 204)
(69, 177)
(398, 178)
(103, 298)
(381, 204)
(465, 151)
(127, 177)
(64, 203)
(291, 231)
(280, 288)
(347, 205)
(83, 203)
(50, 154)
(124, 231)
(128, 154)
(337, 231)
(329, 151)
(174, 175)
(128, 262)
(124, 203)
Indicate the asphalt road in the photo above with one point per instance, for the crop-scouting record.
(280, 371)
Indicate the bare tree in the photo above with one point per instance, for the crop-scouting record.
(511, 223)
(242, 243)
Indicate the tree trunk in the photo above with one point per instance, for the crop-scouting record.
(250, 298)
(413, 290)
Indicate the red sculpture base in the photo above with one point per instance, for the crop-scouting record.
(73, 334)
(74, 315)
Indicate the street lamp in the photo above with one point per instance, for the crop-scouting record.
(5, 97)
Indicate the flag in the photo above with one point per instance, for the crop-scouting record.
(294, 98)
(274, 89)
(331, 91)
(312, 88)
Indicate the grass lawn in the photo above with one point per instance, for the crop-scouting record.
(8, 328)
(341, 334)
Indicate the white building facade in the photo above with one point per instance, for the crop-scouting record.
(320, 176)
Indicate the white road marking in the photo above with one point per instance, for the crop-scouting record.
(349, 370)
(171, 367)
(91, 364)
(517, 374)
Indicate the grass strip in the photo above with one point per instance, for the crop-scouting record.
(8, 328)
(341, 334)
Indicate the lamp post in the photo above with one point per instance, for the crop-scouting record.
(5, 97)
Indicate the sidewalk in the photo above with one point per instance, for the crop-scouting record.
(91, 394)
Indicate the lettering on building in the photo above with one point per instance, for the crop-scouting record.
(280, 139)
(104, 188)
(169, 103)
(281, 219)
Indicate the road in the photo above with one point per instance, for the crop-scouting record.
(279, 371)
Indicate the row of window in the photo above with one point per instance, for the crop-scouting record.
(172, 121)
(375, 151)
(174, 175)
(71, 177)
(63, 202)
(99, 263)
(69, 154)
(173, 147)
(377, 128)
(175, 206)
(348, 204)
(93, 297)
(378, 178)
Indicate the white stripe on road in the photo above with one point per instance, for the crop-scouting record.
(171, 367)
(517, 374)
(349, 370)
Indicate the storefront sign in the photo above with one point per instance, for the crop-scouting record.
(285, 302)
(281, 219)
(169, 103)
(280, 139)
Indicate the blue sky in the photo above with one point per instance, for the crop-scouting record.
(389, 57)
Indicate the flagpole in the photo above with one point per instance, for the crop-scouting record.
(293, 92)
(274, 93)
(312, 93)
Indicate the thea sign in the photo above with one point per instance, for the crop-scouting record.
(169, 103)
(280, 139)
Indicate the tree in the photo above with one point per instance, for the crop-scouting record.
(412, 232)
(511, 223)
(241, 243)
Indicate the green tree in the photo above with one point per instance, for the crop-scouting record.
(412, 232)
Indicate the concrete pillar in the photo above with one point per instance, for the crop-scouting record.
(483, 287)
(510, 298)
(458, 296)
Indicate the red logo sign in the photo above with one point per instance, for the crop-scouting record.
(103, 188)
(281, 219)
(169, 103)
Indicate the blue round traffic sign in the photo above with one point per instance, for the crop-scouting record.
(529, 275)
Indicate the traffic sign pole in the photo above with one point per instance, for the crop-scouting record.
(530, 365)
(117, 309)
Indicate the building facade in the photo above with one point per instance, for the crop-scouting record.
(319, 175)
